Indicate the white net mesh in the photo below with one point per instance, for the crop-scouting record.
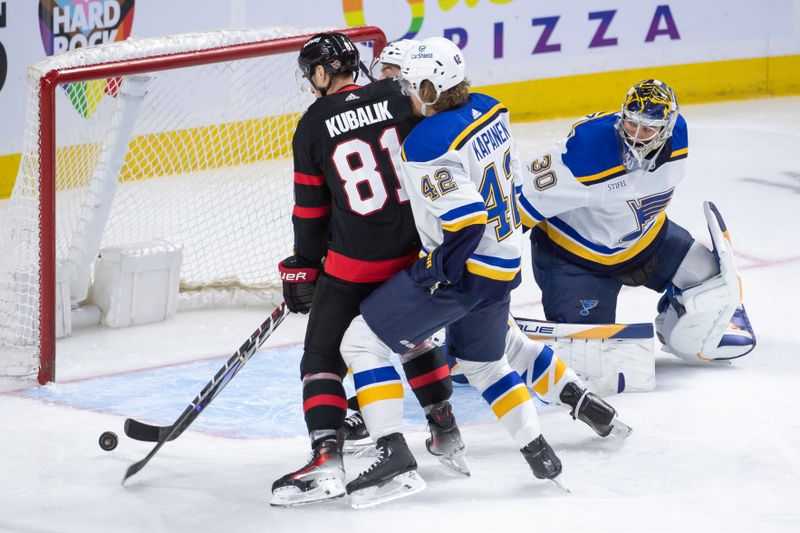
(206, 165)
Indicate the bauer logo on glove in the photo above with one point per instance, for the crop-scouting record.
(299, 279)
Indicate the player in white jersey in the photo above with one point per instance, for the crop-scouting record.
(597, 200)
(458, 172)
(392, 55)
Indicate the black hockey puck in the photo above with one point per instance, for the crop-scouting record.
(108, 440)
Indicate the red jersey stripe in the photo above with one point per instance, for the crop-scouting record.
(311, 212)
(351, 87)
(361, 271)
(329, 400)
(308, 179)
(431, 377)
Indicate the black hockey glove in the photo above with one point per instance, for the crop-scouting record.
(299, 278)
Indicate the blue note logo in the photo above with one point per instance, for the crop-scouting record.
(587, 305)
(645, 210)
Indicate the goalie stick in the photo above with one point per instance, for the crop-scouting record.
(206, 396)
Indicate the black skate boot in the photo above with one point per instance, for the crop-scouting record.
(393, 475)
(542, 459)
(321, 479)
(445, 441)
(356, 437)
(596, 412)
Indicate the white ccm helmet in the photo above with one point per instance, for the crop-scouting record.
(392, 53)
(435, 59)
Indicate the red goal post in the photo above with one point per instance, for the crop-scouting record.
(48, 88)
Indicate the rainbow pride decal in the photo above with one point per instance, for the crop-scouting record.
(69, 24)
(354, 15)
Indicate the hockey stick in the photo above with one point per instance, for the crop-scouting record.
(366, 71)
(209, 392)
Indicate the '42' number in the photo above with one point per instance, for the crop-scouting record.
(502, 207)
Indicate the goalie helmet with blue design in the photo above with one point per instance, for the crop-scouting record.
(648, 116)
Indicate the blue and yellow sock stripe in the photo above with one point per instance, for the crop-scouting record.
(506, 393)
(378, 384)
(546, 362)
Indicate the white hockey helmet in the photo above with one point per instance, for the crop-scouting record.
(392, 53)
(435, 59)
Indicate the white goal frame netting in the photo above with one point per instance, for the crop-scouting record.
(180, 141)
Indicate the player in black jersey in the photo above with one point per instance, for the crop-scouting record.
(353, 230)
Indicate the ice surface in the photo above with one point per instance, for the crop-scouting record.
(713, 448)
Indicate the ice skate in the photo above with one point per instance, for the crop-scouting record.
(357, 441)
(543, 461)
(393, 475)
(445, 441)
(594, 411)
(321, 479)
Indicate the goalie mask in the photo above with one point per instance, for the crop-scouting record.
(648, 116)
(334, 51)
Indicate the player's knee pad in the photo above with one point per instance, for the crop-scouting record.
(698, 265)
(378, 386)
(707, 321)
(503, 389)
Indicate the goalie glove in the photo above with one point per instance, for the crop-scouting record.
(299, 278)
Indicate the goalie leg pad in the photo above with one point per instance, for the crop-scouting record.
(377, 382)
(504, 391)
(707, 321)
(610, 358)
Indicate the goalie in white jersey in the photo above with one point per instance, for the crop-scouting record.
(597, 200)
(458, 172)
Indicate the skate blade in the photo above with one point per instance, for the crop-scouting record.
(619, 429)
(326, 489)
(455, 463)
(398, 487)
(560, 484)
(360, 448)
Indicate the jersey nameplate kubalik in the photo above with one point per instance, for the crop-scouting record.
(358, 118)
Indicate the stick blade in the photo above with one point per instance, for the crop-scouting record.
(145, 432)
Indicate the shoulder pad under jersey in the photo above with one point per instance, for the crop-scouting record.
(451, 129)
(593, 151)
(680, 139)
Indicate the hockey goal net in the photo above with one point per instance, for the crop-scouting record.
(182, 140)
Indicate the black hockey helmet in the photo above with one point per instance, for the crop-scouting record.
(334, 51)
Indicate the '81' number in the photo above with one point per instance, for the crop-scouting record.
(355, 179)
